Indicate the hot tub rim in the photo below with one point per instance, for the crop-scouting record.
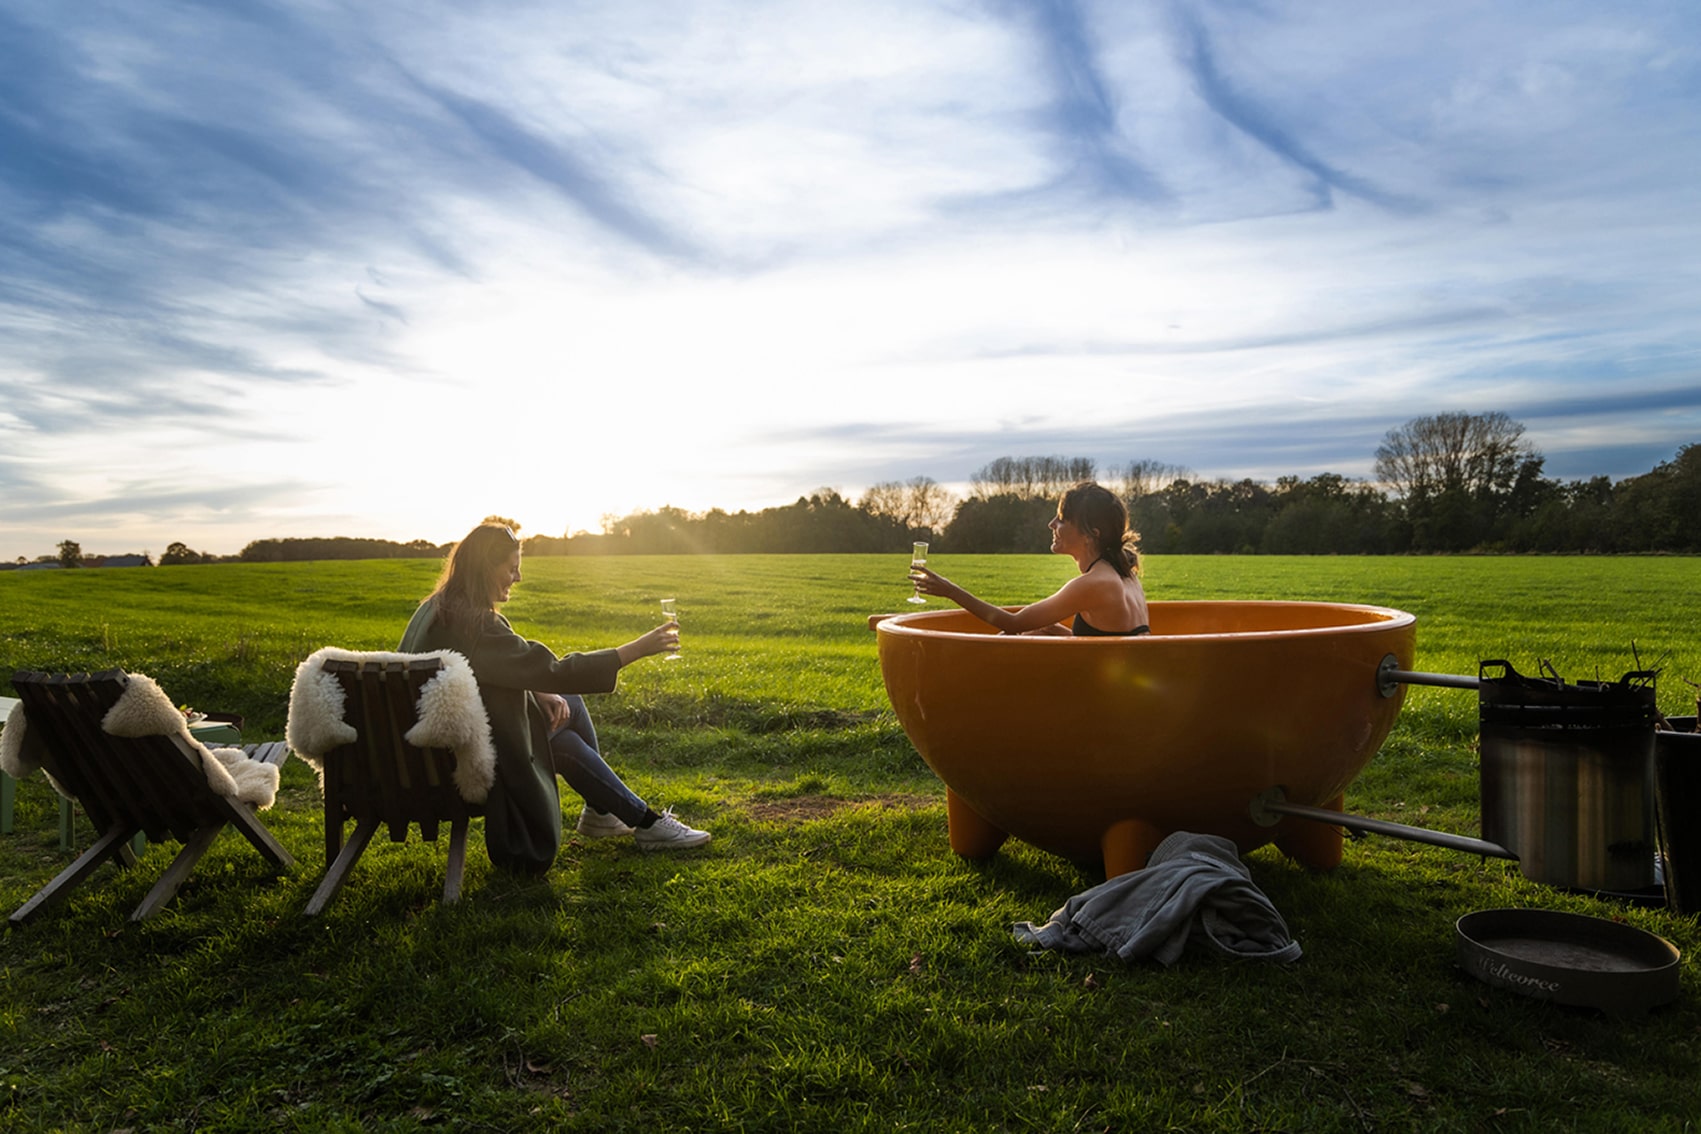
(899, 624)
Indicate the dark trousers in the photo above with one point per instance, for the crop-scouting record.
(577, 759)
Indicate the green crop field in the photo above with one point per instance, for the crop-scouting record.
(826, 963)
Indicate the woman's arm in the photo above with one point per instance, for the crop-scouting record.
(658, 641)
(1035, 616)
(501, 657)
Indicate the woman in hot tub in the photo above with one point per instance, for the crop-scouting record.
(1104, 600)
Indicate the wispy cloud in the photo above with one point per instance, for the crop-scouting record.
(1254, 119)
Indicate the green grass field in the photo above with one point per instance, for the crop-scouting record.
(826, 963)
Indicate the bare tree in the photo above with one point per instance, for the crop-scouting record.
(1146, 477)
(1030, 478)
(886, 499)
(1480, 454)
(921, 502)
(930, 504)
(998, 477)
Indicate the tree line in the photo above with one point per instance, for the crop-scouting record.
(1452, 482)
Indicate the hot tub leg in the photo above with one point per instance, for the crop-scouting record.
(1317, 845)
(1127, 845)
(971, 836)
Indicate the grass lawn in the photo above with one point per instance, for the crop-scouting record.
(826, 963)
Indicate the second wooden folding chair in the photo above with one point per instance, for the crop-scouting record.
(386, 761)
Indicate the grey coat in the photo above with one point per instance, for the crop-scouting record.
(522, 822)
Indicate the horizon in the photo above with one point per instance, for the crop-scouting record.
(960, 493)
(276, 273)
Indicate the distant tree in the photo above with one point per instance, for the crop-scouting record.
(177, 554)
(921, 505)
(931, 504)
(1574, 517)
(1478, 453)
(885, 499)
(545, 545)
(1327, 515)
(1661, 509)
(1030, 478)
(70, 553)
(822, 522)
(1144, 477)
(1002, 523)
(294, 550)
(1457, 476)
(666, 531)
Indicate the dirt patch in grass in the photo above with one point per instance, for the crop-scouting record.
(803, 808)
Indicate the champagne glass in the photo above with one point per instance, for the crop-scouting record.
(918, 558)
(670, 611)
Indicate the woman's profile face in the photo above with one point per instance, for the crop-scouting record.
(504, 579)
(1066, 538)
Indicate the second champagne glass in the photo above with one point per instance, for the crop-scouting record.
(918, 558)
(670, 611)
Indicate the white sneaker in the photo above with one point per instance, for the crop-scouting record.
(668, 833)
(601, 825)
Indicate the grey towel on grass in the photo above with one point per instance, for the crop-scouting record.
(1193, 883)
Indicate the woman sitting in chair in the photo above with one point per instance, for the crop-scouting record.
(1105, 599)
(538, 723)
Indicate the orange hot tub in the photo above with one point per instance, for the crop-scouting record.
(1096, 748)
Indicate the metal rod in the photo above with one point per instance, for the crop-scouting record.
(1394, 830)
(1446, 680)
(1389, 678)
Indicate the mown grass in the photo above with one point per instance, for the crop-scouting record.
(826, 963)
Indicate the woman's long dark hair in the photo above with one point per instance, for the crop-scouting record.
(1100, 515)
(463, 589)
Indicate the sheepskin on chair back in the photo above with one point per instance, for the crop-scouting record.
(397, 738)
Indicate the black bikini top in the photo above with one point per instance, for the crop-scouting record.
(1085, 629)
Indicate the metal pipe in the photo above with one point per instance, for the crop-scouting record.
(1270, 804)
(1389, 676)
(1445, 680)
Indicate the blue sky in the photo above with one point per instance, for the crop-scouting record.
(381, 268)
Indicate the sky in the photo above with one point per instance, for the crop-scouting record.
(383, 267)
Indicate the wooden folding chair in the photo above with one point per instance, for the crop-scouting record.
(381, 778)
(149, 785)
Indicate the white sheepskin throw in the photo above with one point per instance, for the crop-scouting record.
(256, 781)
(143, 709)
(14, 761)
(450, 715)
(20, 750)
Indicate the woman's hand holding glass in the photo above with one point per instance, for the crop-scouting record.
(929, 582)
(918, 562)
(670, 611)
(664, 639)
